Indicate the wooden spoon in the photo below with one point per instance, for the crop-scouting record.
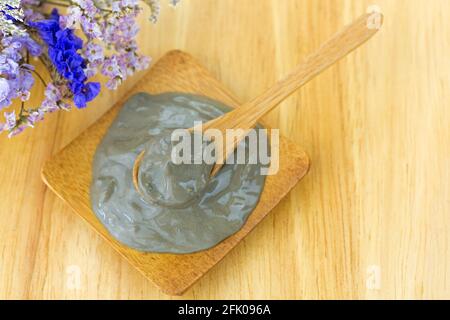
(246, 116)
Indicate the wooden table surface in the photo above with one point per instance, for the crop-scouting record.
(370, 220)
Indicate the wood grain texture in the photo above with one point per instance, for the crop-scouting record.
(247, 115)
(69, 175)
(376, 127)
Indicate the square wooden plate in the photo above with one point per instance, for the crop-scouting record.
(68, 174)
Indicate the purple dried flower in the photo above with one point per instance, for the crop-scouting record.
(21, 43)
(111, 48)
(70, 20)
(8, 66)
(111, 67)
(35, 116)
(94, 53)
(90, 28)
(4, 93)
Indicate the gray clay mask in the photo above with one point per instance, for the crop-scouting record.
(183, 210)
(169, 184)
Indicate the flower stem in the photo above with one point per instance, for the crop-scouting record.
(22, 109)
(40, 78)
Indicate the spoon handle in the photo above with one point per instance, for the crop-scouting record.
(341, 44)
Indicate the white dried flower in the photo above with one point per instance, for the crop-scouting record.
(13, 9)
(174, 3)
(155, 8)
